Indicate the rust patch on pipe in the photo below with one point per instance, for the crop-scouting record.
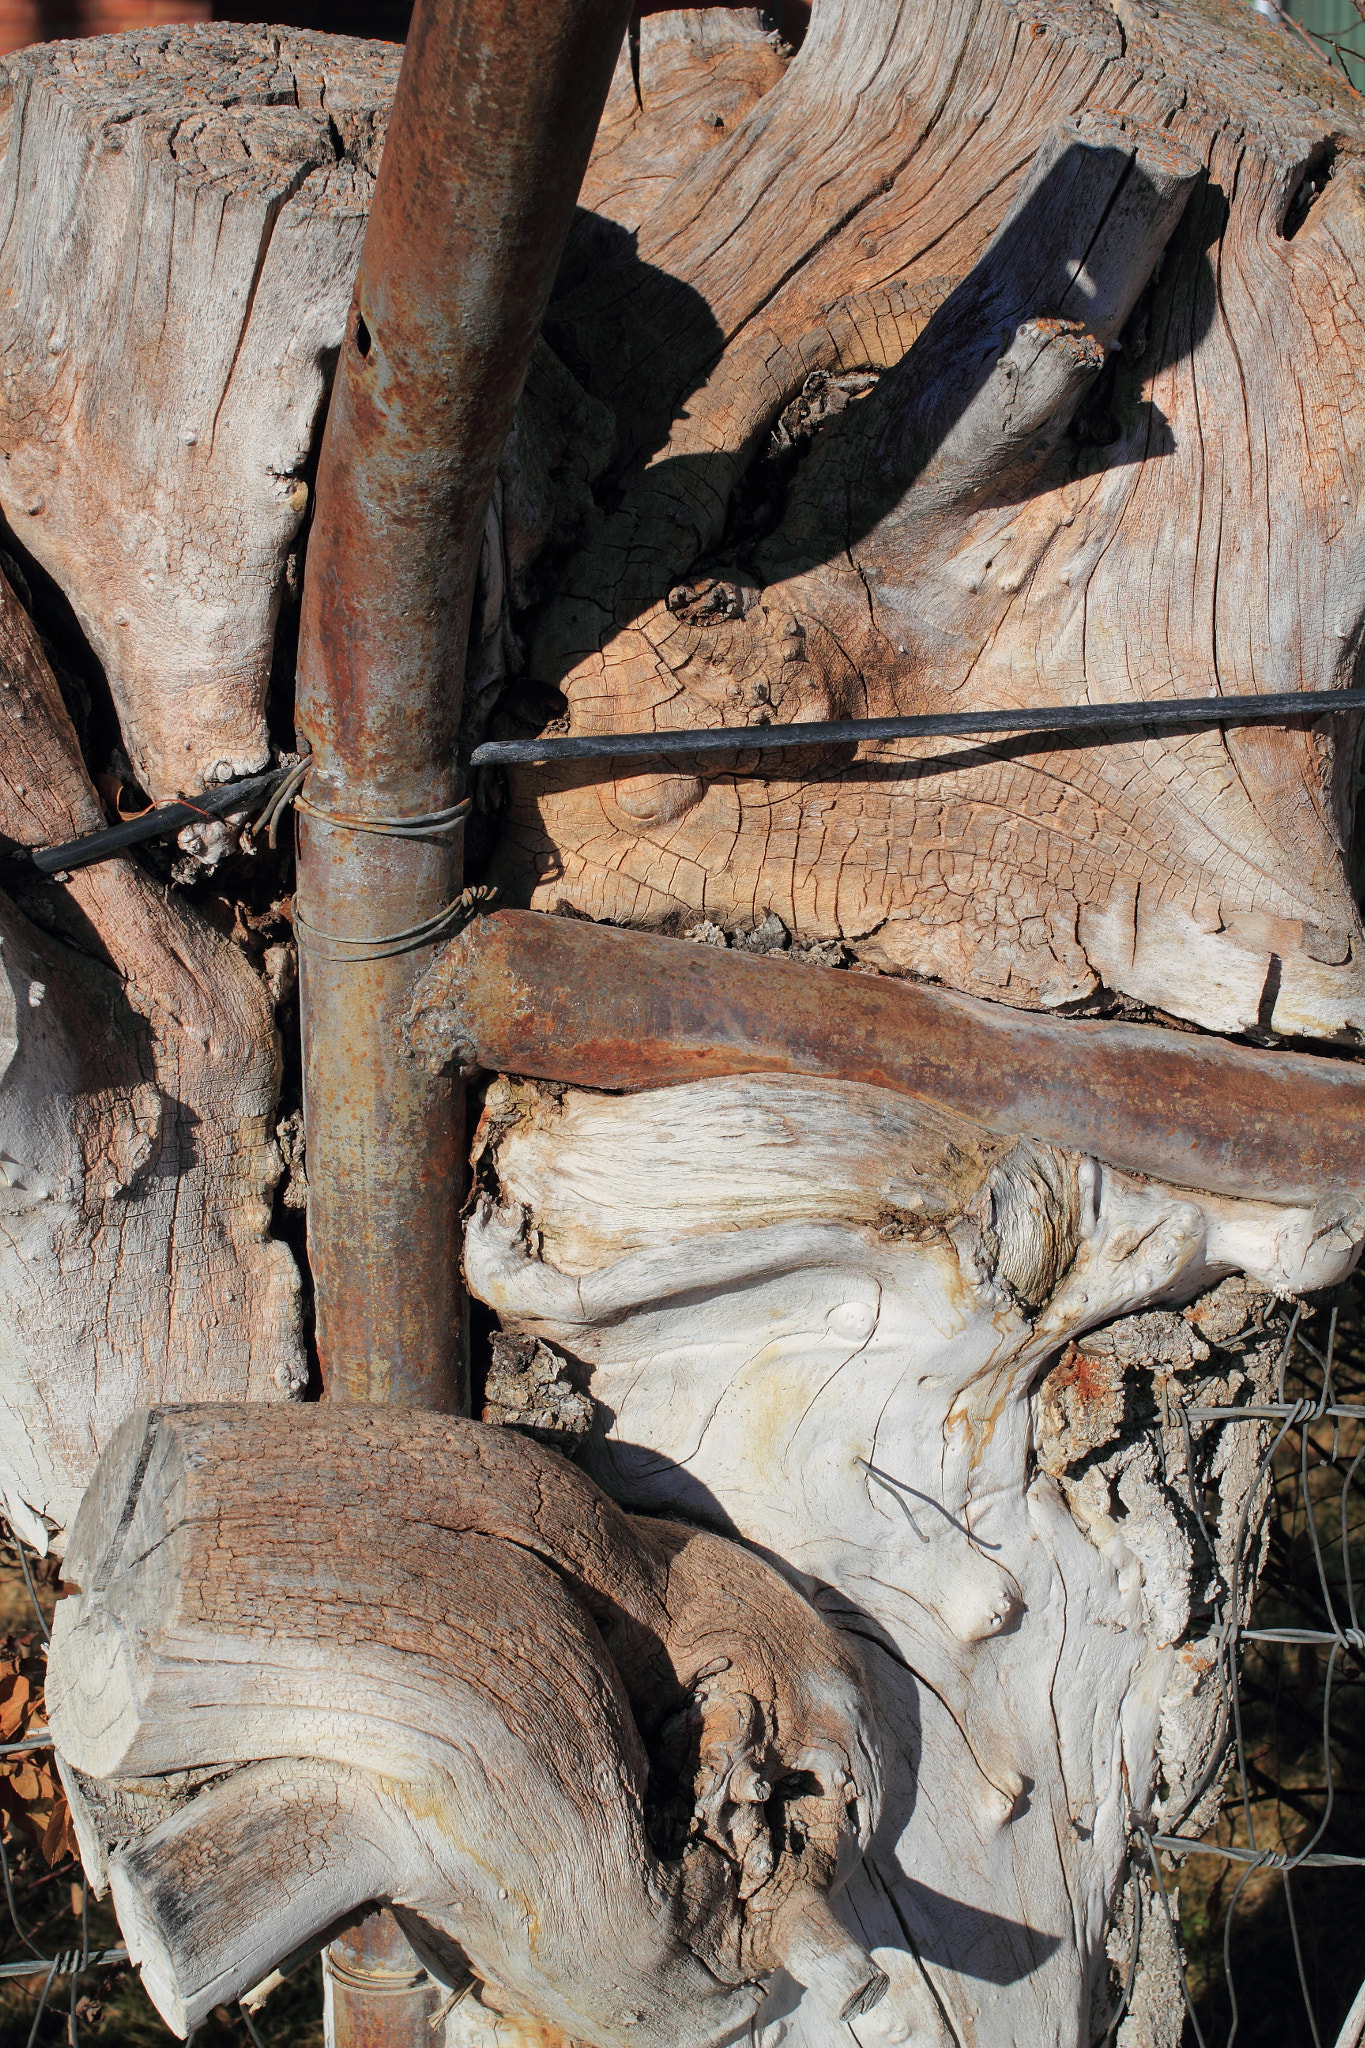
(561, 1000)
(378, 1992)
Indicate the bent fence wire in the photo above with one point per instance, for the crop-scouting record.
(1310, 1604)
(1307, 1602)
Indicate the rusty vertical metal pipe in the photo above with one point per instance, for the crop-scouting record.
(497, 105)
(375, 1992)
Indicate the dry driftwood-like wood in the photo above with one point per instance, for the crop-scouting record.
(983, 354)
(1000, 354)
(181, 212)
(614, 1765)
(140, 1070)
(938, 1374)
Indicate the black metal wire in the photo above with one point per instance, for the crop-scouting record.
(1174, 1930)
(42, 2003)
(15, 1921)
(19, 1545)
(1134, 1955)
(42, 863)
(250, 2025)
(1097, 720)
(1298, 1958)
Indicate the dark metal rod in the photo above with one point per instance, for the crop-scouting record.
(41, 862)
(497, 105)
(1057, 718)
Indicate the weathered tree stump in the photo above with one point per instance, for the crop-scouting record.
(980, 356)
(615, 1766)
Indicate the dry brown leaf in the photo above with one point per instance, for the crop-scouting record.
(59, 1837)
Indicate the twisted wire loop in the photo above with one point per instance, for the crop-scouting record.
(427, 826)
(444, 925)
(70, 1963)
(1344, 1638)
(279, 801)
(384, 945)
(1263, 1859)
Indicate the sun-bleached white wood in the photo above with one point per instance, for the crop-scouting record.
(817, 1316)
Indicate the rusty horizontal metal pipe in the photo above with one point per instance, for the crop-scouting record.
(563, 1000)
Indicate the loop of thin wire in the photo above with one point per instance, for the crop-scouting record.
(279, 801)
(358, 952)
(427, 826)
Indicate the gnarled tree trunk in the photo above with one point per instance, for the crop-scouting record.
(987, 354)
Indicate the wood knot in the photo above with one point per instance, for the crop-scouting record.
(711, 600)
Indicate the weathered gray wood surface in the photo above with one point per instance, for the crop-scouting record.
(988, 353)
(783, 542)
(180, 219)
(615, 1766)
(139, 1067)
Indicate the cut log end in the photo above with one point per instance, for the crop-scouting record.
(156, 441)
(351, 1737)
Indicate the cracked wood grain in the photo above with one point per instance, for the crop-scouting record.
(140, 1072)
(919, 181)
(614, 1765)
(181, 212)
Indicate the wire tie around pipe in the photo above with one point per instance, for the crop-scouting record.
(359, 952)
(426, 826)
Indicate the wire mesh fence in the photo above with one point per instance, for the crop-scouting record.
(1267, 1901)
(1269, 1898)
